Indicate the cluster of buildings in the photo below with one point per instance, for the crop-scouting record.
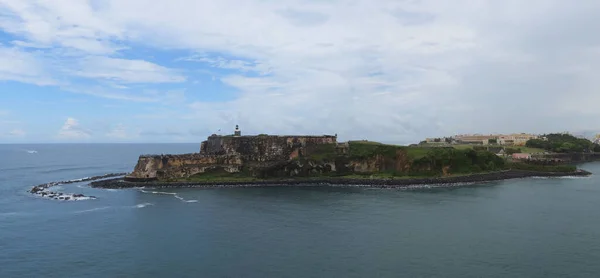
(516, 139)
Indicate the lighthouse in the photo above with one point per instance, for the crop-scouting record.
(237, 131)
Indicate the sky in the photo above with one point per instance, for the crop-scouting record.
(385, 70)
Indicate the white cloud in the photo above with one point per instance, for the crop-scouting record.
(224, 63)
(63, 23)
(396, 70)
(72, 130)
(142, 95)
(126, 71)
(22, 66)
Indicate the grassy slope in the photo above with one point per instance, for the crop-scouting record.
(363, 149)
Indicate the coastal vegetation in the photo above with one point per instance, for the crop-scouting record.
(395, 162)
(294, 158)
(542, 168)
(323, 152)
(444, 161)
(563, 143)
(367, 149)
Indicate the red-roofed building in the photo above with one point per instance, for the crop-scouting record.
(521, 156)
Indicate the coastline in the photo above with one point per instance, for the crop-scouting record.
(120, 183)
(43, 190)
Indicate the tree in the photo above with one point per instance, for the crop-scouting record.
(561, 143)
(493, 141)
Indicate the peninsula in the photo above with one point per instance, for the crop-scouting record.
(236, 160)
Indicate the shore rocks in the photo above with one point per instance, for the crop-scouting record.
(43, 189)
(377, 182)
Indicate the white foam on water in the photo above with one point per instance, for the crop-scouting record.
(170, 193)
(564, 177)
(143, 205)
(91, 210)
(164, 193)
(78, 180)
(80, 198)
(31, 151)
(157, 192)
(575, 177)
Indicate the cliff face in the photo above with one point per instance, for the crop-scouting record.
(280, 157)
(256, 155)
(165, 167)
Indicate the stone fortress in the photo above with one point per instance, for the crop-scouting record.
(233, 153)
(263, 148)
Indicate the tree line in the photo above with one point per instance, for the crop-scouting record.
(563, 143)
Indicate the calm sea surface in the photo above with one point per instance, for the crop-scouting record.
(518, 228)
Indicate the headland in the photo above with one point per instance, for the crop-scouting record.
(293, 160)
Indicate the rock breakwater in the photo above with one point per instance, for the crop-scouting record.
(340, 181)
(43, 190)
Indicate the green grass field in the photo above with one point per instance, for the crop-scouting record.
(367, 148)
(417, 152)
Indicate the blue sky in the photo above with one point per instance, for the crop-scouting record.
(393, 71)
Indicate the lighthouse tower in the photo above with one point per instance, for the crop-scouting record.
(237, 131)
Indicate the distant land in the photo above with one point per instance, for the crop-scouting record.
(236, 160)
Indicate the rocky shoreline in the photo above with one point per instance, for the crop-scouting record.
(43, 189)
(120, 183)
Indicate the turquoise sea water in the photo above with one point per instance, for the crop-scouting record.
(518, 228)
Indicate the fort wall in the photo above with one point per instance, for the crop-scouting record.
(229, 153)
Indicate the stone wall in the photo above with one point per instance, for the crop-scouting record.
(263, 148)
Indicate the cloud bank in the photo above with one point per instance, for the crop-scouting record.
(389, 70)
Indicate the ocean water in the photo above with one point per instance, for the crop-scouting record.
(517, 228)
